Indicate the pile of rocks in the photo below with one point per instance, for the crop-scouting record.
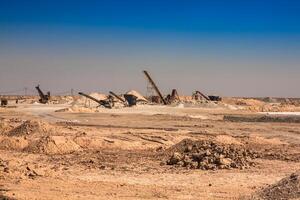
(210, 155)
(286, 188)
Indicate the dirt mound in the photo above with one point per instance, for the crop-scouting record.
(13, 143)
(286, 188)
(31, 127)
(54, 145)
(209, 155)
(138, 95)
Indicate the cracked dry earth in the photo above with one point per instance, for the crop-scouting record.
(48, 155)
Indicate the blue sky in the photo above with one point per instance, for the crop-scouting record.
(231, 48)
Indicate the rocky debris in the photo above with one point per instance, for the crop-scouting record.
(31, 127)
(4, 166)
(54, 145)
(286, 188)
(209, 155)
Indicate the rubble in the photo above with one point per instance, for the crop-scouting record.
(210, 155)
(286, 188)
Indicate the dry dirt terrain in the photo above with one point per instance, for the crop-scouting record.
(147, 152)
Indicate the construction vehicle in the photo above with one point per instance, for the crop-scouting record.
(108, 103)
(44, 98)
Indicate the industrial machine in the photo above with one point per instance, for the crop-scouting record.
(105, 103)
(197, 95)
(130, 100)
(170, 98)
(44, 98)
(215, 98)
(155, 87)
(173, 97)
(117, 97)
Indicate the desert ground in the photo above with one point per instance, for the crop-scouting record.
(54, 151)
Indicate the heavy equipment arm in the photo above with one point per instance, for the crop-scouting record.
(43, 98)
(117, 96)
(104, 103)
(155, 87)
(204, 96)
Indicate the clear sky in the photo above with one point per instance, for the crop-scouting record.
(229, 48)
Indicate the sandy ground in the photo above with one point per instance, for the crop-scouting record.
(282, 113)
(118, 153)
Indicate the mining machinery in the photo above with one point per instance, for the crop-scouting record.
(130, 100)
(155, 87)
(44, 98)
(108, 103)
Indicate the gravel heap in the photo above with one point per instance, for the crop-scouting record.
(209, 155)
(286, 188)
